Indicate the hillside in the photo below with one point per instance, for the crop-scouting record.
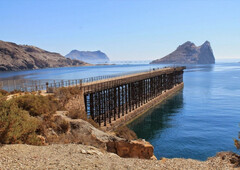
(93, 57)
(189, 53)
(15, 57)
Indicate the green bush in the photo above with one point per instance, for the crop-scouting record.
(16, 125)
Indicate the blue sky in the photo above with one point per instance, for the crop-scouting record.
(123, 29)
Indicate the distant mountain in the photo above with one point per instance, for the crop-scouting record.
(189, 53)
(93, 57)
(15, 57)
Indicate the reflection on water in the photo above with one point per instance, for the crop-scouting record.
(200, 121)
(157, 118)
(202, 67)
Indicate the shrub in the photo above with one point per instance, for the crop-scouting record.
(84, 116)
(66, 93)
(2, 98)
(125, 132)
(61, 125)
(15, 91)
(3, 92)
(17, 126)
(37, 105)
(237, 143)
(75, 114)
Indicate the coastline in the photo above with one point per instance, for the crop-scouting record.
(84, 65)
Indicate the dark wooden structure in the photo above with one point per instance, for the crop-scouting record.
(109, 99)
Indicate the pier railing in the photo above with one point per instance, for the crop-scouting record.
(110, 97)
(25, 85)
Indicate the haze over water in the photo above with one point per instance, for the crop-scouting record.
(196, 123)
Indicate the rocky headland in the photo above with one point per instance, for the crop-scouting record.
(15, 57)
(189, 53)
(93, 57)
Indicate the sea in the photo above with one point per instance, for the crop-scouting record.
(197, 122)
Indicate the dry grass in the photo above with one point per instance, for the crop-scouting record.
(77, 114)
(3, 92)
(2, 98)
(64, 94)
(125, 132)
(25, 117)
(37, 105)
(16, 91)
(61, 125)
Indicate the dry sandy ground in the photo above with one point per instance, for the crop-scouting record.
(73, 156)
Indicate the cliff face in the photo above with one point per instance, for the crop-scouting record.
(93, 57)
(15, 57)
(189, 53)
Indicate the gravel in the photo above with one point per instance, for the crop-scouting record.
(76, 156)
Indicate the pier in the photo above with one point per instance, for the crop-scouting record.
(116, 99)
(107, 101)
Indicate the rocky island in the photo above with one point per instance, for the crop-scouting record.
(15, 57)
(189, 53)
(93, 57)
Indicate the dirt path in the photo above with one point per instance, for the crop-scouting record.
(73, 156)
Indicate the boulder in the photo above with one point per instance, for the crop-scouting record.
(82, 132)
(132, 149)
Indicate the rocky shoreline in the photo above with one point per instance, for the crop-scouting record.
(77, 156)
(69, 140)
(91, 148)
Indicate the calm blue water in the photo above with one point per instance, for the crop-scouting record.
(68, 73)
(196, 123)
(199, 121)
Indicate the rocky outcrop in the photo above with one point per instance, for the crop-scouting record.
(228, 157)
(132, 149)
(93, 57)
(189, 53)
(82, 132)
(15, 57)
